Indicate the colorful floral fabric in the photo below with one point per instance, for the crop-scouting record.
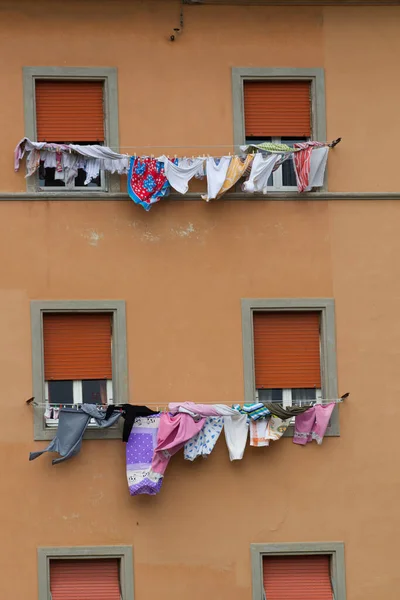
(146, 181)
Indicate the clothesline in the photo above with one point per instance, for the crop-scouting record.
(152, 438)
(151, 178)
(155, 404)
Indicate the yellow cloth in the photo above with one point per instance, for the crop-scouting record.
(235, 171)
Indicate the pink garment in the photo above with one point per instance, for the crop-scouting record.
(312, 424)
(174, 431)
(206, 410)
(302, 163)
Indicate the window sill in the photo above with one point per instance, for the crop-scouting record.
(234, 196)
(92, 433)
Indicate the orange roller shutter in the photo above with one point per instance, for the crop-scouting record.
(77, 346)
(85, 579)
(287, 349)
(69, 111)
(297, 578)
(277, 108)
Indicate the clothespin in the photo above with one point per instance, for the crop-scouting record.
(175, 156)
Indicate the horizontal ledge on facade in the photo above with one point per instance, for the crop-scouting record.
(236, 196)
(296, 2)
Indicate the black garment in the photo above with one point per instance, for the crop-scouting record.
(285, 413)
(129, 413)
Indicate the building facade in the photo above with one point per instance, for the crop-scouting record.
(189, 292)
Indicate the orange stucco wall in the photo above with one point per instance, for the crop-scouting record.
(182, 269)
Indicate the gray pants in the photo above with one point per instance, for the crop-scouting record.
(72, 425)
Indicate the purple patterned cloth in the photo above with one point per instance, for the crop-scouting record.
(139, 454)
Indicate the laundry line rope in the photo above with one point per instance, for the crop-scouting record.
(159, 404)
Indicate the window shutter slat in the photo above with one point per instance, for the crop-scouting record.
(85, 579)
(277, 108)
(69, 111)
(77, 346)
(287, 349)
(297, 578)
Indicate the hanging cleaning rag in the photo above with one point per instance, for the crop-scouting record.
(302, 163)
(261, 171)
(180, 174)
(72, 425)
(147, 182)
(312, 424)
(236, 170)
(236, 430)
(203, 443)
(318, 160)
(140, 449)
(276, 428)
(174, 431)
(259, 433)
(216, 170)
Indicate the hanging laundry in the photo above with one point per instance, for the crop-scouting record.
(146, 181)
(259, 433)
(129, 412)
(48, 413)
(276, 428)
(180, 174)
(318, 160)
(261, 171)
(285, 413)
(267, 147)
(173, 432)
(203, 443)
(72, 425)
(236, 430)
(312, 424)
(255, 411)
(216, 170)
(140, 449)
(32, 162)
(92, 169)
(71, 166)
(206, 410)
(301, 161)
(188, 163)
(237, 168)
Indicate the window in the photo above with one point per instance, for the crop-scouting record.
(298, 571)
(289, 352)
(104, 573)
(282, 106)
(71, 106)
(79, 356)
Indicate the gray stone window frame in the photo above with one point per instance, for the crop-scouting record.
(109, 77)
(119, 359)
(326, 307)
(335, 550)
(123, 553)
(316, 77)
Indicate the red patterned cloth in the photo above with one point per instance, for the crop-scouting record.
(146, 181)
(302, 163)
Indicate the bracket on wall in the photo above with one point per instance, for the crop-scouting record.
(178, 30)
